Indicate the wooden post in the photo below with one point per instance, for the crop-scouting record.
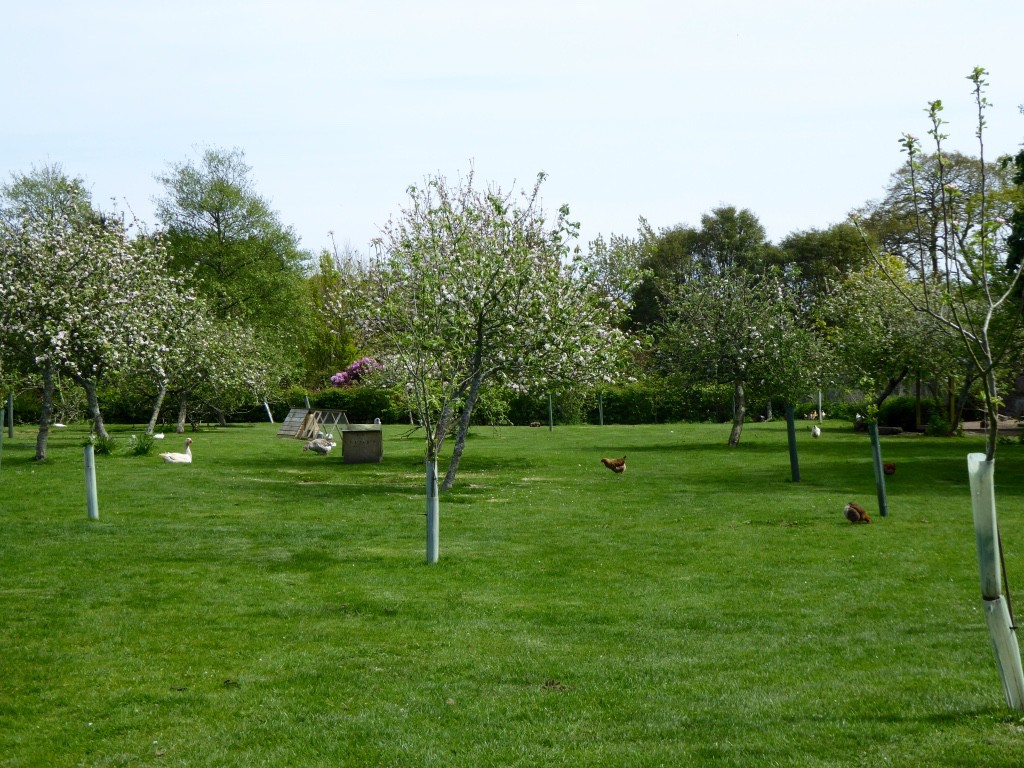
(91, 504)
(433, 522)
(551, 414)
(876, 453)
(794, 464)
(916, 407)
(997, 613)
(10, 414)
(952, 405)
(3, 415)
(600, 409)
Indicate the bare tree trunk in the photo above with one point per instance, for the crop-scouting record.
(917, 403)
(160, 395)
(222, 420)
(89, 385)
(891, 387)
(961, 402)
(182, 412)
(441, 427)
(44, 416)
(739, 412)
(460, 439)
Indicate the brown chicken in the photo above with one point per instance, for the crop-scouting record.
(855, 513)
(618, 466)
(889, 468)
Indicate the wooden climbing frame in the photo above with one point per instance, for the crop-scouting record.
(307, 423)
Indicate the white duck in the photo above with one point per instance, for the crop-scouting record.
(815, 431)
(319, 445)
(180, 458)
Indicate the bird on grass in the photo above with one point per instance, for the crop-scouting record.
(889, 468)
(815, 431)
(618, 466)
(180, 458)
(320, 445)
(855, 513)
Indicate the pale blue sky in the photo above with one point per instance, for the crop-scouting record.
(657, 109)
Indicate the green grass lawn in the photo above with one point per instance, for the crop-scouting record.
(268, 607)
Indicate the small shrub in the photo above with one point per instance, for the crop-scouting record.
(140, 445)
(902, 412)
(102, 446)
(938, 426)
(898, 412)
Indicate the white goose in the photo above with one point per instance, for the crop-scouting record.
(179, 458)
(321, 445)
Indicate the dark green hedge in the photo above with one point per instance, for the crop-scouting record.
(650, 401)
(657, 400)
(902, 412)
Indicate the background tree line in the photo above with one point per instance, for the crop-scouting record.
(218, 307)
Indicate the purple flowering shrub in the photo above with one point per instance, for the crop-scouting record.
(355, 372)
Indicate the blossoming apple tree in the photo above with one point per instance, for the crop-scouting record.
(743, 329)
(79, 298)
(216, 364)
(470, 286)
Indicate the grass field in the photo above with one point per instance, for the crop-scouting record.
(268, 607)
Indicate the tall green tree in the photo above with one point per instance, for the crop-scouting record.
(931, 203)
(818, 260)
(731, 240)
(246, 264)
(330, 344)
(664, 261)
(45, 195)
(1015, 238)
(728, 239)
